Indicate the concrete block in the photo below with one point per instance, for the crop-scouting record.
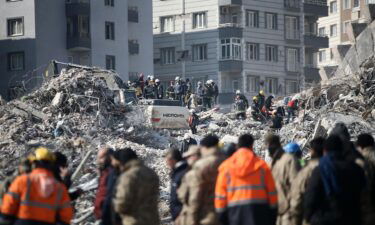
(57, 100)
(363, 44)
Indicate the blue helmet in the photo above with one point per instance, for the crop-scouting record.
(292, 147)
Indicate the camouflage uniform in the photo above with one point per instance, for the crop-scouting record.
(137, 194)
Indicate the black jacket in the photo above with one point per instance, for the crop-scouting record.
(176, 178)
(343, 208)
(186, 144)
(108, 214)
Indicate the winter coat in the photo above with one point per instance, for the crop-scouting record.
(261, 101)
(159, 91)
(298, 190)
(245, 191)
(284, 171)
(268, 102)
(176, 179)
(178, 89)
(101, 193)
(200, 91)
(343, 208)
(137, 195)
(368, 198)
(186, 144)
(216, 90)
(149, 91)
(170, 92)
(241, 103)
(277, 122)
(108, 215)
(199, 186)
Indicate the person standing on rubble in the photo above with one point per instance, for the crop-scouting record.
(37, 198)
(245, 190)
(285, 166)
(149, 92)
(241, 105)
(159, 89)
(103, 162)
(299, 185)
(170, 91)
(333, 194)
(178, 89)
(200, 92)
(366, 146)
(207, 95)
(269, 102)
(201, 209)
(216, 92)
(137, 192)
(261, 99)
(183, 192)
(193, 121)
(178, 168)
(291, 109)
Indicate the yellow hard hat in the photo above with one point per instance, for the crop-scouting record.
(261, 92)
(42, 154)
(255, 98)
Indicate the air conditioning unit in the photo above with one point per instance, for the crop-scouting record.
(224, 10)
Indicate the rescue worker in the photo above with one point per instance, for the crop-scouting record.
(189, 87)
(277, 120)
(37, 198)
(245, 190)
(178, 89)
(269, 102)
(141, 81)
(24, 167)
(170, 91)
(183, 192)
(216, 92)
(241, 105)
(333, 193)
(193, 121)
(103, 162)
(159, 89)
(149, 92)
(137, 192)
(261, 99)
(255, 112)
(291, 109)
(178, 168)
(366, 146)
(200, 92)
(207, 95)
(300, 183)
(285, 167)
(192, 101)
(200, 204)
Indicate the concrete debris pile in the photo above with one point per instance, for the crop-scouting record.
(74, 113)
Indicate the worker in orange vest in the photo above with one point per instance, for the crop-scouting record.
(245, 191)
(37, 198)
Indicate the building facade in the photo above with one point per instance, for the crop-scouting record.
(345, 19)
(111, 34)
(247, 45)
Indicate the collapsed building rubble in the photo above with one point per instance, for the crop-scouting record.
(81, 109)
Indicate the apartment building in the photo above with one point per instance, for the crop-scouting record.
(345, 17)
(111, 34)
(246, 45)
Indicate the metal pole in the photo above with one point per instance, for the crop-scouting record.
(183, 40)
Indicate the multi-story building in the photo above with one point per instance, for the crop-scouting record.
(249, 45)
(345, 19)
(112, 34)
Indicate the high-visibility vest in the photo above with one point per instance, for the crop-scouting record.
(24, 201)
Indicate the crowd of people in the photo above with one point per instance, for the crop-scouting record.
(262, 109)
(203, 95)
(211, 184)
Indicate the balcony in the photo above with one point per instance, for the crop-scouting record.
(314, 41)
(230, 2)
(230, 66)
(78, 43)
(77, 7)
(230, 31)
(292, 5)
(311, 74)
(315, 8)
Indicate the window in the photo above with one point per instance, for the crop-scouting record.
(271, 85)
(13, 0)
(253, 84)
(345, 27)
(109, 30)
(291, 3)
(199, 52)
(252, 18)
(110, 62)
(333, 7)
(291, 28)
(83, 26)
(292, 60)
(333, 30)
(346, 4)
(291, 87)
(167, 24)
(271, 53)
(109, 2)
(16, 61)
(231, 48)
(167, 56)
(322, 32)
(252, 51)
(355, 3)
(235, 85)
(322, 55)
(199, 20)
(15, 27)
(271, 21)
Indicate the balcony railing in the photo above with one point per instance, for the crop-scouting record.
(316, 2)
(230, 25)
(294, 4)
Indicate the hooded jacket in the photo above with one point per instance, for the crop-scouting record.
(245, 191)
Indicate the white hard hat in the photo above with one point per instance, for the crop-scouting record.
(177, 79)
(238, 92)
(157, 81)
(152, 77)
(192, 110)
(199, 82)
(148, 76)
(208, 82)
